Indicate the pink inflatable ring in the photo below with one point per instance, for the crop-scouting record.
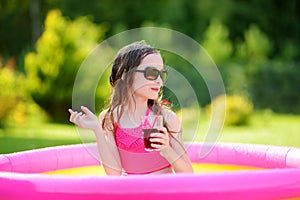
(21, 178)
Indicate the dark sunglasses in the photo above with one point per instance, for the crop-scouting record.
(151, 73)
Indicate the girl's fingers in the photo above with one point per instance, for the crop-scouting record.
(73, 115)
(159, 135)
(157, 140)
(164, 130)
(86, 111)
(83, 118)
(156, 146)
(77, 117)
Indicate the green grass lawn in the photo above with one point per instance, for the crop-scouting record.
(282, 130)
(264, 128)
(36, 136)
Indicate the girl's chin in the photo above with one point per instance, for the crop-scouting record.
(153, 97)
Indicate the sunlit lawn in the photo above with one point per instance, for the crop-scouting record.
(264, 128)
(283, 130)
(32, 137)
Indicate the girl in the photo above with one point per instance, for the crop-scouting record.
(136, 79)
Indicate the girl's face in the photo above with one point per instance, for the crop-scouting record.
(143, 88)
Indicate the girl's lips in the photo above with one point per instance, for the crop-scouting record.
(155, 89)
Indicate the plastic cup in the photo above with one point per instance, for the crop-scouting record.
(151, 125)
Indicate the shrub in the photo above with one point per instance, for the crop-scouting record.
(217, 42)
(12, 92)
(59, 52)
(237, 111)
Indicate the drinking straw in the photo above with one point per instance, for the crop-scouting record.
(159, 110)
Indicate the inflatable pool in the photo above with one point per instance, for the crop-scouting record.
(32, 175)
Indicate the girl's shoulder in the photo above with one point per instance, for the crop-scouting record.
(102, 114)
(171, 120)
(115, 112)
(104, 118)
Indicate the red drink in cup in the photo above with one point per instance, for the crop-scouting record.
(150, 125)
(146, 136)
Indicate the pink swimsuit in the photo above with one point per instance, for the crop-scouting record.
(134, 159)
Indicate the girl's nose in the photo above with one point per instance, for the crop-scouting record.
(159, 81)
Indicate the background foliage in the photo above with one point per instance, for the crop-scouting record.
(255, 45)
(60, 50)
(9, 81)
(237, 112)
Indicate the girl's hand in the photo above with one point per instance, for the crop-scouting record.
(161, 139)
(87, 119)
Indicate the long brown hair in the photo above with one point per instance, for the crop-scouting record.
(121, 79)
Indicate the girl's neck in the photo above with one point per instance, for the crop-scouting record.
(138, 106)
(133, 112)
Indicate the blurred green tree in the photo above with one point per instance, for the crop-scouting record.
(256, 45)
(275, 85)
(14, 19)
(13, 91)
(216, 42)
(52, 68)
(274, 34)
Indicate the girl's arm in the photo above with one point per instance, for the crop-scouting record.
(108, 151)
(176, 154)
(173, 149)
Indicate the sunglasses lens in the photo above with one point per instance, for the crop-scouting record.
(151, 74)
(164, 75)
